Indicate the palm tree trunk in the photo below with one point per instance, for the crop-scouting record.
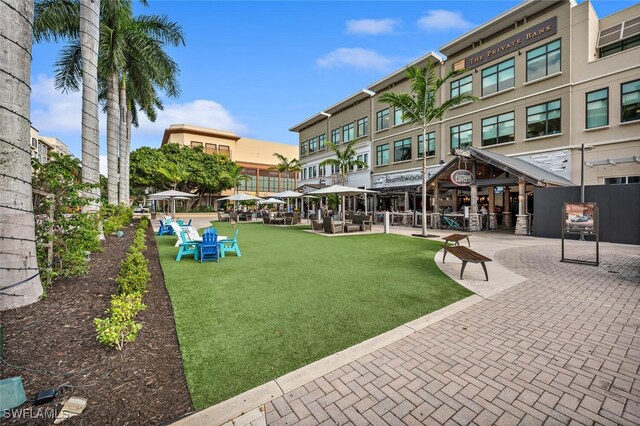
(127, 156)
(18, 261)
(113, 126)
(123, 197)
(89, 34)
(424, 181)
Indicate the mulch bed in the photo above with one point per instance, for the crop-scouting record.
(53, 343)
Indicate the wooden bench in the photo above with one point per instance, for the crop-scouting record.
(456, 238)
(466, 255)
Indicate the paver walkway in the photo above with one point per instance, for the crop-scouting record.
(559, 348)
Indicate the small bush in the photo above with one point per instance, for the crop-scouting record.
(119, 327)
(74, 263)
(115, 217)
(133, 275)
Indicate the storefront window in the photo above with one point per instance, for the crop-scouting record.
(543, 61)
(543, 119)
(597, 108)
(498, 129)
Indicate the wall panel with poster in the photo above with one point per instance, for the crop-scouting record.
(582, 219)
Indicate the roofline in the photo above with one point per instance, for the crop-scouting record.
(195, 130)
(313, 119)
(493, 25)
(401, 71)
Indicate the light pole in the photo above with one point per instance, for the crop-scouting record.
(583, 148)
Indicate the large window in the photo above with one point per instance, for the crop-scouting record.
(347, 132)
(195, 144)
(250, 184)
(621, 180)
(462, 86)
(498, 77)
(630, 101)
(397, 117)
(498, 129)
(597, 108)
(402, 150)
(382, 154)
(287, 181)
(431, 144)
(619, 46)
(382, 119)
(322, 170)
(321, 140)
(313, 145)
(224, 150)
(210, 148)
(335, 136)
(461, 136)
(362, 127)
(269, 181)
(543, 61)
(365, 158)
(543, 119)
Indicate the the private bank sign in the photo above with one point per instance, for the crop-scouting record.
(507, 46)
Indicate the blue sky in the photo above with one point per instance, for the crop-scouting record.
(257, 68)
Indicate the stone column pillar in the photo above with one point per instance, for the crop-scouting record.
(522, 224)
(475, 222)
(436, 198)
(492, 223)
(435, 220)
(474, 198)
(506, 213)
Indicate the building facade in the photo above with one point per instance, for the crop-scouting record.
(256, 157)
(43, 146)
(551, 77)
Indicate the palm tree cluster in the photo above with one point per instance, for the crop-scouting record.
(345, 160)
(132, 68)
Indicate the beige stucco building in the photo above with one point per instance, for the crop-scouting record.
(550, 76)
(254, 155)
(42, 146)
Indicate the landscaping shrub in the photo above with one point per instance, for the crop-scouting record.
(115, 217)
(134, 275)
(119, 327)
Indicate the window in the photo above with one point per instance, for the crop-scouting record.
(269, 180)
(362, 126)
(347, 132)
(597, 108)
(34, 142)
(382, 154)
(498, 77)
(461, 136)
(335, 136)
(312, 145)
(248, 185)
(364, 158)
(321, 140)
(304, 173)
(402, 150)
(543, 61)
(543, 119)
(195, 144)
(397, 117)
(322, 170)
(621, 180)
(462, 86)
(224, 150)
(498, 129)
(630, 101)
(211, 148)
(303, 148)
(382, 119)
(431, 144)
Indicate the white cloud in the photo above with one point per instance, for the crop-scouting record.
(355, 57)
(372, 26)
(201, 112)
(443, 20)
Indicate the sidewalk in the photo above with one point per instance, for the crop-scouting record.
(541, 342)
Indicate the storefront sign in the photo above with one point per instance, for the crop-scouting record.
(413, 178)
(512, 44)
(462, 178)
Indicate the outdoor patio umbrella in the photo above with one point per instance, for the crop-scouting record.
(343, 191)
(271, 201)
(287, 195)
(240, 197)
(172, 195)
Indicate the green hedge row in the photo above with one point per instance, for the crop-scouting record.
(114, 218)
(120, 326)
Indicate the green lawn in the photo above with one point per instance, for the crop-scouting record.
(292, 298)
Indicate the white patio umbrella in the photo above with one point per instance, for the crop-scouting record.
(343, 191)
(287, 195)
(172, 195)
(271, 201)
(240, 197)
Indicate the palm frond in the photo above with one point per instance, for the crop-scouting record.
(56, 20)
(68, 68)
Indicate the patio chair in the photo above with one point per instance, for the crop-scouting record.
(230, 245)
(181, 222)
(331, 227)
(316, 225)
(266, 218)
(165, 227)
(209, 248)
(450, 223)
(223, 217)
(187, 246)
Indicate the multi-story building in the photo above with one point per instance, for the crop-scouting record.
(550, 77)
(255, 156)
(42, 146)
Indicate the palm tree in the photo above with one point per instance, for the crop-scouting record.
(286, 166)
(421, 108)
(18, 262)
(345, 160)
(234, 176)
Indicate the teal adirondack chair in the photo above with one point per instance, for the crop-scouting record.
(187, 247)
(230, 245)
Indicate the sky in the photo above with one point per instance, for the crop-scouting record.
(257, 68)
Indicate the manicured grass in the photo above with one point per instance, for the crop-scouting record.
(293, 298)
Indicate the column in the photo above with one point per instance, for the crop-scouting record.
(454, 199)
(522, 224)
(435, 216)
(493, 224)
(506, 214)
(475, 219)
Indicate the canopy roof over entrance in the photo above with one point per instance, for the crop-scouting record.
(491, 168)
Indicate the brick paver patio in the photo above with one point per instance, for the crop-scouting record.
(562, 347)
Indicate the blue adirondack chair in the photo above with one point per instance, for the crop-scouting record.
(209, 248)
(165, 228)
(187, 247)
(230, 245)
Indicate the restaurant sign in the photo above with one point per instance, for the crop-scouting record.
(522, 39)
(462, 178)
